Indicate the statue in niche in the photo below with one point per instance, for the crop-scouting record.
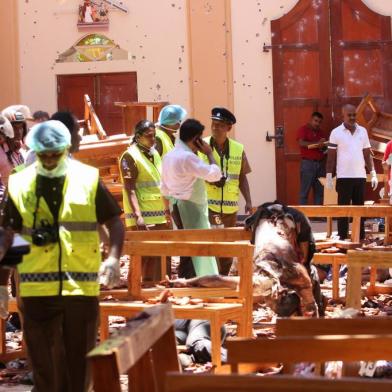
(93, 12)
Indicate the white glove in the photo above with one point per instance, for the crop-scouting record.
(109, 272)
(3, 302)
(374, 179)
(329, 183)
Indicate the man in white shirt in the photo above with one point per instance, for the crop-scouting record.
(348, 154)
(182, 182)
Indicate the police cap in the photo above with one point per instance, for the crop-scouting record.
(222, 114)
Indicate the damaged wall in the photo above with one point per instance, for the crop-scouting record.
(168, 60)
(9, 67)
(153, 32)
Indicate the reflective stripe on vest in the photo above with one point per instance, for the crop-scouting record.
(70, 266)
(226, 200)
(148, 191)
(54, 276)
(167, 144)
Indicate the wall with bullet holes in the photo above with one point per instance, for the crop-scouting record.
(156, 35)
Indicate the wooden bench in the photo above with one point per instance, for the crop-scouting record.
(355, 212)
(300, 326)
(356, 261)
(319, 349)
(145, 349)
(176, 382)
(221, 304)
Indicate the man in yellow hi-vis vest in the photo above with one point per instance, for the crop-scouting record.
(223, 195)
(169, 122)
(144, 206)
(57, 204)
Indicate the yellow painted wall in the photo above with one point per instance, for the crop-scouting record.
(9, 49)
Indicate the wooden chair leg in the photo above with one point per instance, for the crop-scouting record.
(353, 287)
(141, 377)
(104, 326)
(215, 342)
(335, 279)
(329, 227)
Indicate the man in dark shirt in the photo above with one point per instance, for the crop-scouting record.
(311, 140)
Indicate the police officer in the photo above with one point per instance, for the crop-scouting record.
(223, 196)
(57, 204)
(169, 121)
(144, 207)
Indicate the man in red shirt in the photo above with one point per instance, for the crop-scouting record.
(388, 160)
(312, 159)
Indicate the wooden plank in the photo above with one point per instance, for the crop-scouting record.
(301, 326)
(368, 257)
(218, 235)
(137, 338)
(336, 211)
(353, 287)
(176, 248)
(106, 376)
(250, 383)
(310, 349)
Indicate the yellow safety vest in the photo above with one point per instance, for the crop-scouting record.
(225, 200)
(167, 144)
(148, 191)
(69, 267)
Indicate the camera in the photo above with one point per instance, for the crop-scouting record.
(46, 234)
(221, 183)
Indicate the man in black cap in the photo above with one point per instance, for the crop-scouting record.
(223, 196)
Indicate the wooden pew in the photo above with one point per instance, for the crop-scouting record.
(300, 326)
(320, 348)
(145, 349)
(176, 382)
(356, 261)
(221, 304)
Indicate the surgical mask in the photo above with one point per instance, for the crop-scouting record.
(59, 171)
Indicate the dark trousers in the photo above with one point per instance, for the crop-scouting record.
(311, 171)
(350, 191)
(196, 335)
(228, 220)
(59, 332)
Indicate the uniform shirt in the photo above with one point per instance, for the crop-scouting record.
(308, 134)
(128, 167)
(245, 167)
(350, 159)
(181, 167)
(52, 191)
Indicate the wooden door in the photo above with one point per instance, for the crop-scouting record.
(361, 55)
(114, 87)
(302, 83)
(70, 92)
(103, 90)
(326, 53)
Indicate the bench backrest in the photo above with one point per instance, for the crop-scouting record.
(320, 348)
(333, 326)
(176, 382)
(145, 349)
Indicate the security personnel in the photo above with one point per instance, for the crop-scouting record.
(57, 204)
(223, 196)
(169, 121)
(144, 207)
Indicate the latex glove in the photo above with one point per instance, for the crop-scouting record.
(109, 272)
(3, 302)
(374, 179)
(329, 183)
